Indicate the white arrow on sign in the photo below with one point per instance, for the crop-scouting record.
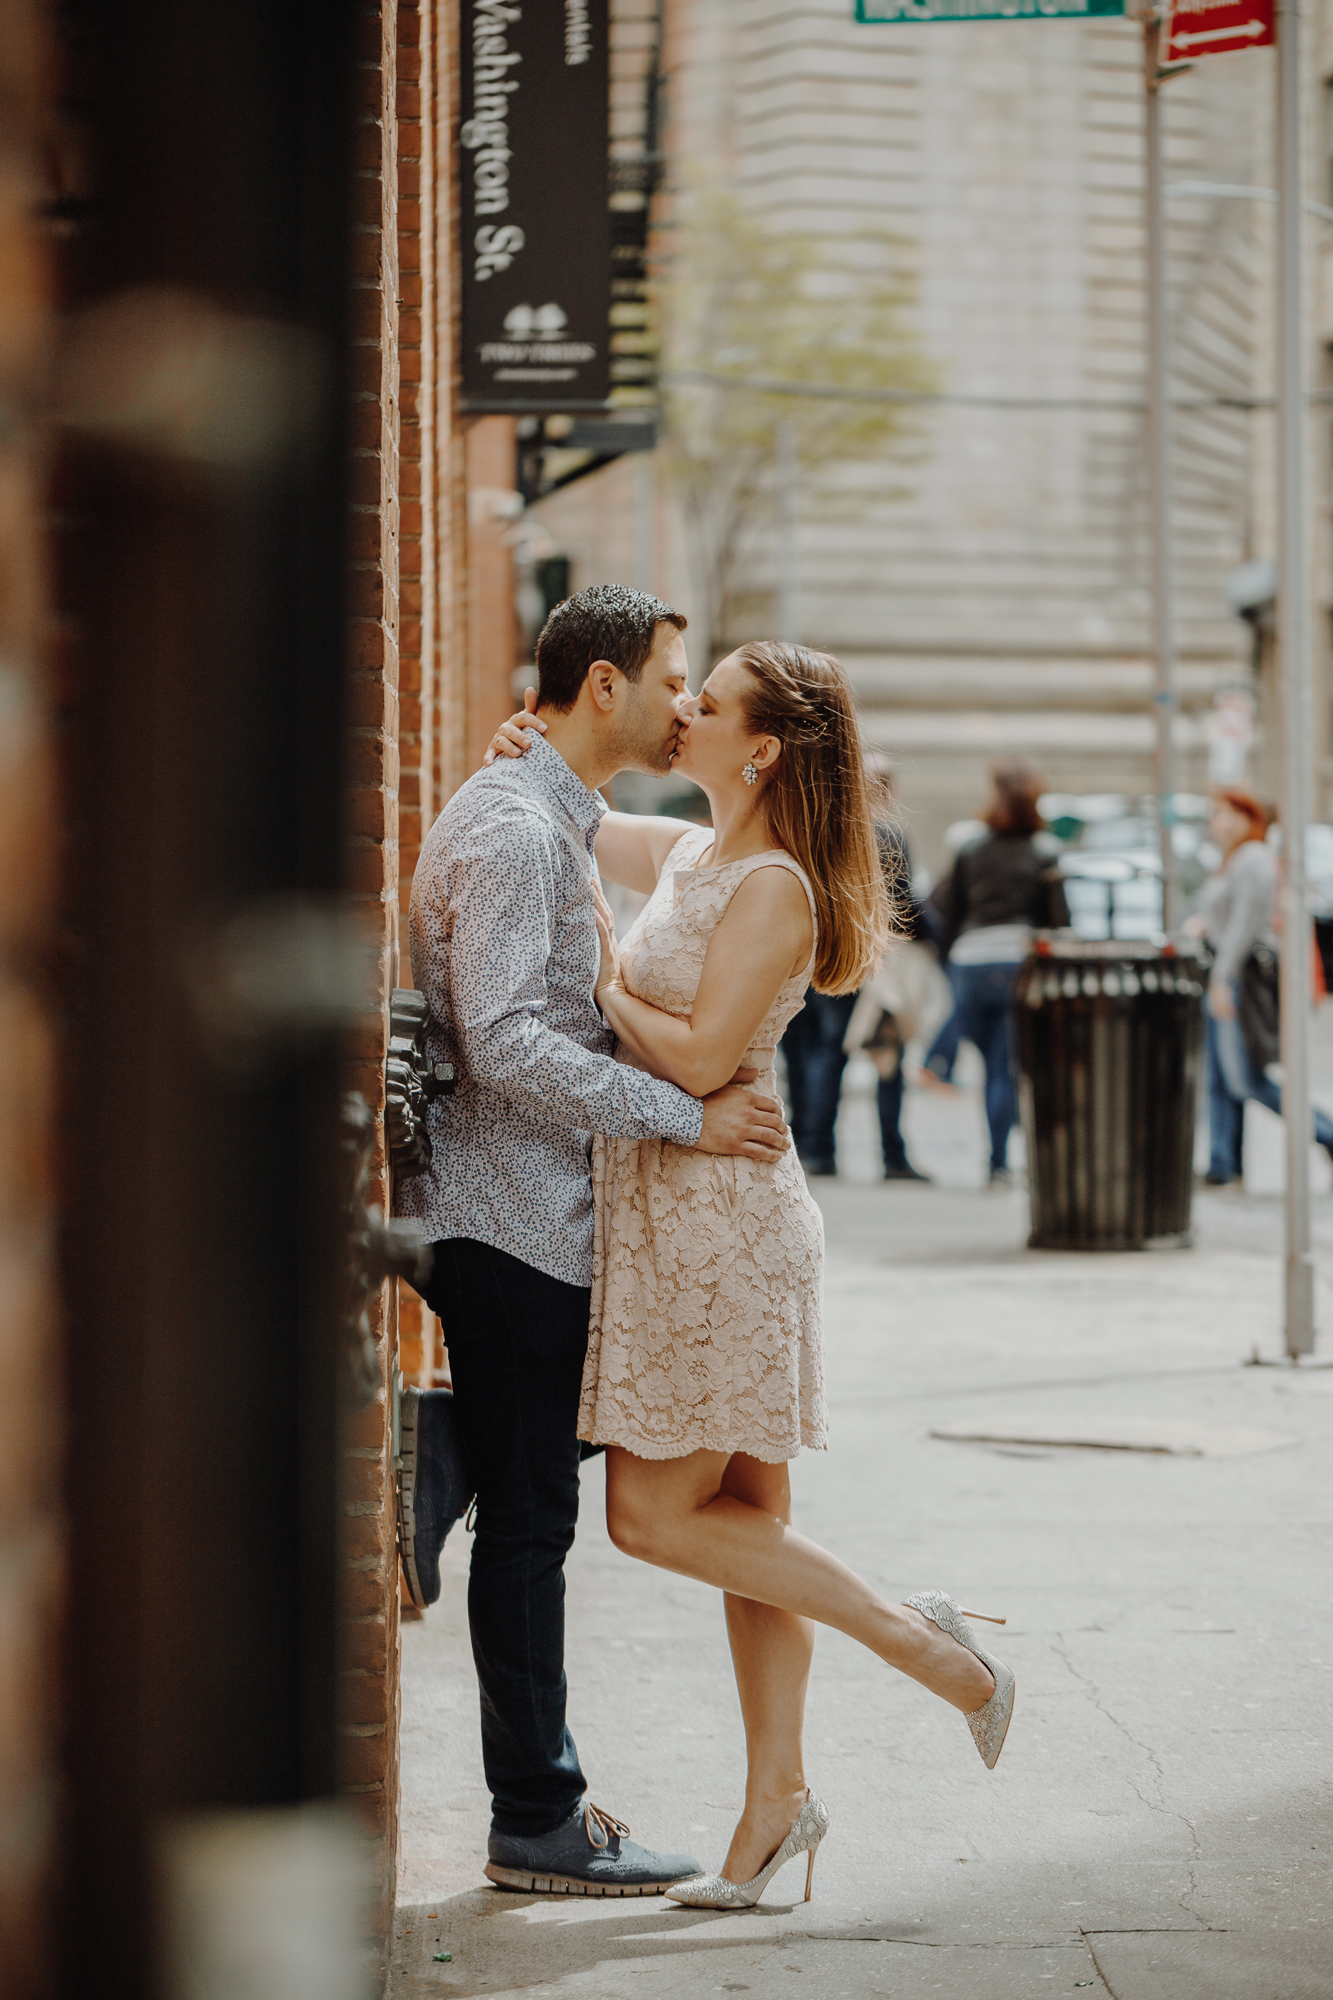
(1246, 33)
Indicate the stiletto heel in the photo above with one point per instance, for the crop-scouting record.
(989, 1724)
(714, 1892)
(985, 1618)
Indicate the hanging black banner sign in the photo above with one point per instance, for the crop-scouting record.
(536, 245)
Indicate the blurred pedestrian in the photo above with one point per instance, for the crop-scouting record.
(1001, 888)
(818, 1041)
(936, 1070)
(1236, 916)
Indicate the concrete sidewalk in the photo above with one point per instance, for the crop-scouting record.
(1159, 1822)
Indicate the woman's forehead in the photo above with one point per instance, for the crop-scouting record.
(722, 681)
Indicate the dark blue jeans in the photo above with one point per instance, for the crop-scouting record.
(517, 1341)
(812, 1046)
(943, 1051)
(1226, 1114)
(890, 1103)
(985, 995)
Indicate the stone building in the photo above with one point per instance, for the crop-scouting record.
(989, 588)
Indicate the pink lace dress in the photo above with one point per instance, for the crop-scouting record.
(705, 1326)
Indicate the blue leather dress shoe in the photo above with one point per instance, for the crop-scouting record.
(433, 1487)
(590, 1855)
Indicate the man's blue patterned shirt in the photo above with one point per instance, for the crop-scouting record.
(504, 947)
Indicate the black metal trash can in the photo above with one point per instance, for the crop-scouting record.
(1109, 1042)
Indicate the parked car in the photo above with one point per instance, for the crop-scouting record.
(1110, 859)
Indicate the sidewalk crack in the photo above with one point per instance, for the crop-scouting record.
(1157, 1804)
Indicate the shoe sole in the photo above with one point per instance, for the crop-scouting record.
(407, 1489)
(567, 1885)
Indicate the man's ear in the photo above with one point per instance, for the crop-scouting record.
(602, 685)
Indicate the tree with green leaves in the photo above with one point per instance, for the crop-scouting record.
(742, 303)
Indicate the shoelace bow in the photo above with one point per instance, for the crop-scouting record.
(596, 1821)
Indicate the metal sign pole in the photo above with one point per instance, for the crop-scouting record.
(1294, 659)
(1165, 697)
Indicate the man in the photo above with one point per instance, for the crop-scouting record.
(505, 948)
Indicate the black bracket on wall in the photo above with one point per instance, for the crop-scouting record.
(411, 1082)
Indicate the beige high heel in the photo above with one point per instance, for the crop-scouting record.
(990, 1723)
(714, 1892)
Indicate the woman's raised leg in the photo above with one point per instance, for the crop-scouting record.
(676, 1514)
(771, 1651)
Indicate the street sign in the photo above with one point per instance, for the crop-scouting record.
(536, 223)
(1218, 27)
(984, 10)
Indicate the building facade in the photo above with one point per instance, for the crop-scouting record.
(988, 585)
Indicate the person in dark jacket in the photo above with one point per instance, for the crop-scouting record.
(1002, 888)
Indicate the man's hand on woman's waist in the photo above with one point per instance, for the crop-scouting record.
(742, 1122)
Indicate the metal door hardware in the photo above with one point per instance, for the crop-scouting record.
(411, 1082)
(377, 1249)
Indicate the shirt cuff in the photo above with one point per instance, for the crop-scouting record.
(682, 1116)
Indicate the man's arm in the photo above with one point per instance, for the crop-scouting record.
(493, 904)
(483, 931)
(631, 848)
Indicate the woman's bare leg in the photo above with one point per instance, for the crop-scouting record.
(771, 1651)
(675, 1513)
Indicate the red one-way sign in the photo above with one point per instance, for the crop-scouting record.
(1217, 27)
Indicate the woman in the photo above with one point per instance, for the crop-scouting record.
(1236, 913)
(1000, 890)
(704, 1374)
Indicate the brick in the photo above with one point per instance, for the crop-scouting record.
(369, 759)
(369, 869)
(369, 814)
(372, 1806)
(365, 481)
(369, 646)
(367, 368)
(372, 703)
(366, 254)
(366, 1643)
(365, 537)
(364, 1698)
(363, 1759)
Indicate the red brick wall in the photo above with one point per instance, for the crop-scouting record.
(370, 1710)
(29, 1339)
(433, 552)
(492, 624)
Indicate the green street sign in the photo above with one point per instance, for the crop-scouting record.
(983, 10)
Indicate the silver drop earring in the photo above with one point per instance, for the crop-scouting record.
(750, 775)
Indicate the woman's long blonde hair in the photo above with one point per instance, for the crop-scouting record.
(817, 802)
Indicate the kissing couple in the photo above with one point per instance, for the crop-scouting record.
(626, 1253)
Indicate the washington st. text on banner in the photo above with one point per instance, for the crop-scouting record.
(536, 234)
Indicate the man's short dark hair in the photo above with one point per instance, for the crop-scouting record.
(609, 621)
